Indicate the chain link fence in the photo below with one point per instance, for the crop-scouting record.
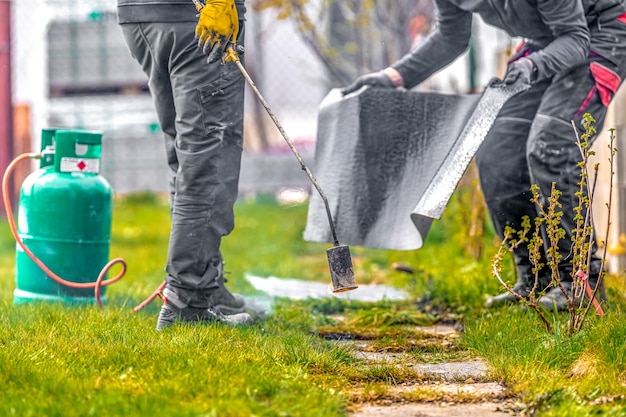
(72, 69)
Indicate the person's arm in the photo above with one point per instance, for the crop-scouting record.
(566, 19)
(449, 39)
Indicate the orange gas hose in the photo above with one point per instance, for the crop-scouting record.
(157, 293)
(100, 281)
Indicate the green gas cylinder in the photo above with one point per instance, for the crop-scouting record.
(64, 218)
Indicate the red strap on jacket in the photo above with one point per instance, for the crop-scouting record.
(607, 82)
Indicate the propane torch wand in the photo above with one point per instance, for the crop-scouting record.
(231, 55)
(339, 259)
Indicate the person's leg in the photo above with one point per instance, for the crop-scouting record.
(200, 109)
(160, 89)
(209, 112)
(209, 143)
(554, 155)
(505, 181)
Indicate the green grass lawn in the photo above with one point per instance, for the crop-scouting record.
(59, 360)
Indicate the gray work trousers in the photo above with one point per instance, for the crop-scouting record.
(533, 142)
(200, 110)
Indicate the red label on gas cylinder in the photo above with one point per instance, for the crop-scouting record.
(90, 165)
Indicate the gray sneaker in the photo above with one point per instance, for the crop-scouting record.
(223, 300)
(174, 311)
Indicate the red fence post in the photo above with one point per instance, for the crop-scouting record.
(6, 114)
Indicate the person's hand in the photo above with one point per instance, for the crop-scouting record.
(374, 79)
(520, 71)
(218, 24)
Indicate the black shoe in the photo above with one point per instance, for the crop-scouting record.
(172, 313)
(507, 297)
(223, 300)
(556, 298)
(522, 288)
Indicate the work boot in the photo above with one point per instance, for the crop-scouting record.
(521, 287)
(223, 300)
(555, 298)
(174, 310)
(507, 297)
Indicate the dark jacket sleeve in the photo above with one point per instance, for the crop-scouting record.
(566, 20)
(449, 39)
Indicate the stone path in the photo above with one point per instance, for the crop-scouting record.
(439, 389)
(450, 389)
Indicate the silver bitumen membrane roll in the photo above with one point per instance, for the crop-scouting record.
(388, 161)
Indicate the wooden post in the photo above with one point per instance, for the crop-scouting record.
(21, 144)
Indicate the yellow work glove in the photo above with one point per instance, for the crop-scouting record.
(218, 25)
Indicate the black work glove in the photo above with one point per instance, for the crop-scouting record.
(374, 79)
(521, 71)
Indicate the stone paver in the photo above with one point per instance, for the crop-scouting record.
(453, 371)
(466, 390)
(483, 409)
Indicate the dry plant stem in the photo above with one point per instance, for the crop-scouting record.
(535, 257)
(496, 272)
(589, 216)
(584, 234)
(579, 323)
(547, 225)
(580, 235)
(553, 232)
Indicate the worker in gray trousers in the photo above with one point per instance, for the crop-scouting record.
(199, 105)
(574, 59)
